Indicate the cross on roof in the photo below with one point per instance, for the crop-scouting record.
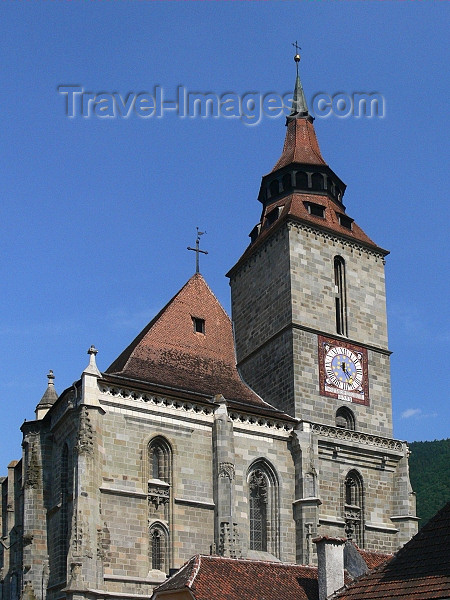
(296, 46)
(197, 250)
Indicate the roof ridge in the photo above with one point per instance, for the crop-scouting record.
(255, 560)
(195, 570)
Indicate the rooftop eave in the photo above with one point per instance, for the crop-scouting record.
(250, 250)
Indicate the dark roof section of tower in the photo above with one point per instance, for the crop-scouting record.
(50, 396)
(189, 346)
(419, 571)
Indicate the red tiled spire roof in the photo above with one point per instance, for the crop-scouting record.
(419, 571)
(170, 353)
(300, 144)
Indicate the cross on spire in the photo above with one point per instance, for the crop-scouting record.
(296, 46)
(197, 250)
(297, 55)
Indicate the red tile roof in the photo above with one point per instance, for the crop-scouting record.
(170, 353)
(294, 207)
(373, 559)
(300, 145)
(419, 571)
(218, 578)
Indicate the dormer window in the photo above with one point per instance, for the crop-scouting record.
(273, 215)
(254, 233)
(316, 210)
(199, 325)
(345, 221)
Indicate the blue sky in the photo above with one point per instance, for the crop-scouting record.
(97, 212)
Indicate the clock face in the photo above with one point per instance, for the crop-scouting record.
(343, 368)
(343, 371)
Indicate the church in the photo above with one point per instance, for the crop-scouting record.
(240, 438)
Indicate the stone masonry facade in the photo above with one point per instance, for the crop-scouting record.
(245, 439)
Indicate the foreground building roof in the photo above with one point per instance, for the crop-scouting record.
(419, 571)
(218, 578)
(189, 347)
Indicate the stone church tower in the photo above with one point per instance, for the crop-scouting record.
(309, 313)
(198, 439)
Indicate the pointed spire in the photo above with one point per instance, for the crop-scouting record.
(49, 398)
(299, 105)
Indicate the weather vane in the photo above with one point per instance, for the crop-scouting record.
(197, 250)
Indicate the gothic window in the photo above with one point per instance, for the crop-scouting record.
(160, 458)
(158, 547)
(258, 511)
(264, 509)
(345, 418)
(340, 295)
(354, 507)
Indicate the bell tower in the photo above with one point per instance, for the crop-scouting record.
(309, 313)
(308, 294)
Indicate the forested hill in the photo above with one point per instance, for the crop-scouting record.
(429, 469)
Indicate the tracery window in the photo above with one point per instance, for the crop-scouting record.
(354, 507)
(158, 547)
(340, 295)
(160, 459)
(258, 510)
(264, 508)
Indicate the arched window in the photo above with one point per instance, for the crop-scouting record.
(345, 418)
(317, 181)
(159, 478)
(301, 180)
(287, 182)
(158, 547)
(160, 459)
(340, 295)
(274, 188)
(264, 508)
(354, 507)
(64, 510)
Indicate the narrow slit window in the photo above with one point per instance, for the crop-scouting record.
(199, 325)
(340, 296)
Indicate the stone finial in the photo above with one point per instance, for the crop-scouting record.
(92, 369)
(51, 378)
